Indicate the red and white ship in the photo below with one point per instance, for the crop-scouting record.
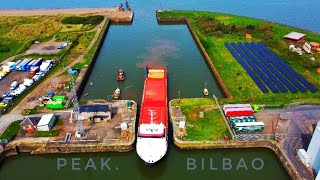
(152, 137)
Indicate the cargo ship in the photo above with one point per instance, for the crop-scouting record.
(152, 136)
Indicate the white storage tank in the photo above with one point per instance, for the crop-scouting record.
(314, 150)
(303, 156)
(318, 176)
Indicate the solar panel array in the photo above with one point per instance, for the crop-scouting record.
(267, 69)
(288, 68)
(247, 68)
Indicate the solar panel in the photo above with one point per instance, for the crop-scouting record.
(267, 81)
(291, 72)
(282, 70)
(266, 71)
(249, 71)
(266, 59)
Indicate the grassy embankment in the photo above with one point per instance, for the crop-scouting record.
(90, 55)
(44, 28)
(214, 29)
(11, 130)
(210, 127)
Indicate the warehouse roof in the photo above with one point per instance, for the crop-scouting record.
(45, 119)
(94, 108)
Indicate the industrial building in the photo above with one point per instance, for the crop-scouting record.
(46, 122)
(96, 113)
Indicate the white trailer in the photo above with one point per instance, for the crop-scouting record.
(44, 66)
(13, 85)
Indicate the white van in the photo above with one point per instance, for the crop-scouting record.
(14, 85)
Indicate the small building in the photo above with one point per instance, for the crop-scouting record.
(29, 124)
(294, 36)
(46, 122)
(96, 113)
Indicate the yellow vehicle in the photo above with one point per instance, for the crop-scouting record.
(3, 104)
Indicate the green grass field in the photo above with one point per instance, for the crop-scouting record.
(11, 130)
(238, 82)
(51, 133)
(18, 33)
(211, 127)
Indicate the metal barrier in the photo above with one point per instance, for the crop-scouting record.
(255, 137)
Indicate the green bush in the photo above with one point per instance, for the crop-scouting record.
(94, 20)
(4, 49)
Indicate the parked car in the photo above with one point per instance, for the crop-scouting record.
(5, 94)
(7, 100)
(3, 104)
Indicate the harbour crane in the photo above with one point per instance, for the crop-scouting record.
(76, 109)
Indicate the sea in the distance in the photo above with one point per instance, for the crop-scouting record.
(297, 13)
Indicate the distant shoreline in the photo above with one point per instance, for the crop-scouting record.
(37, 12)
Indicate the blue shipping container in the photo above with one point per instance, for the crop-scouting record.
(14, 67)
(23, 64)
(37, 62)
(28, 66)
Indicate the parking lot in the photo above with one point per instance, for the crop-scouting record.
(273, 121)
(12, 76)
(20, 78)
(50, 47)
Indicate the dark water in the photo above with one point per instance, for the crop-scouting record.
(136, 46)
(145, 42)
(128, 165)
